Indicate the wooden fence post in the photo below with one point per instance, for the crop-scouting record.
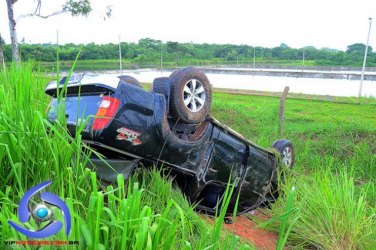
(282, 109)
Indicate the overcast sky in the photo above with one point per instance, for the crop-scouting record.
(267, 23)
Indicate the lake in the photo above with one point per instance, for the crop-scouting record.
(314, 86)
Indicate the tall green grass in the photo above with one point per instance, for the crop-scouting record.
(331, 214)
(286, 219)
(146, 213)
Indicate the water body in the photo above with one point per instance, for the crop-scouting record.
(314, 86)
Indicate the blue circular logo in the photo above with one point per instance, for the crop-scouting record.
(42, 212)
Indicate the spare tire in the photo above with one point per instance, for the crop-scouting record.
(191, 95)
(176, 71)
(130, 80)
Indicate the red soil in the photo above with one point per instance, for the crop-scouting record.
(246, 229)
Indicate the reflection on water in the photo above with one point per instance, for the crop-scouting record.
(316, 86)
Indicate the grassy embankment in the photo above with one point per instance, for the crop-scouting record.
(335, 169)
(334, 175)
(149, 214)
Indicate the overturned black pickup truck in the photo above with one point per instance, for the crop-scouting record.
(170, 126)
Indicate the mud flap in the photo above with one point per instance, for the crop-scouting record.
(108, 169)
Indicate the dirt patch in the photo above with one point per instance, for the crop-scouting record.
(246, 229)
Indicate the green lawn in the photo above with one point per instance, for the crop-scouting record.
(318, 129)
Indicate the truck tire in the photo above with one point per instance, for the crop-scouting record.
(176, 71)
(287, 153)
(286, 149)
(190, 96)
(130, 80)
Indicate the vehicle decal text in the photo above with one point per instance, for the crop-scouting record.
(129, 135)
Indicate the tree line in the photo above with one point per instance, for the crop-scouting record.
(74, 7)
(150, 51)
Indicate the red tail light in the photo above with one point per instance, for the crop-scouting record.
(107, 110)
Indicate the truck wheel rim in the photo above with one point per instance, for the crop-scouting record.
(287, 156)
(194, 96)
